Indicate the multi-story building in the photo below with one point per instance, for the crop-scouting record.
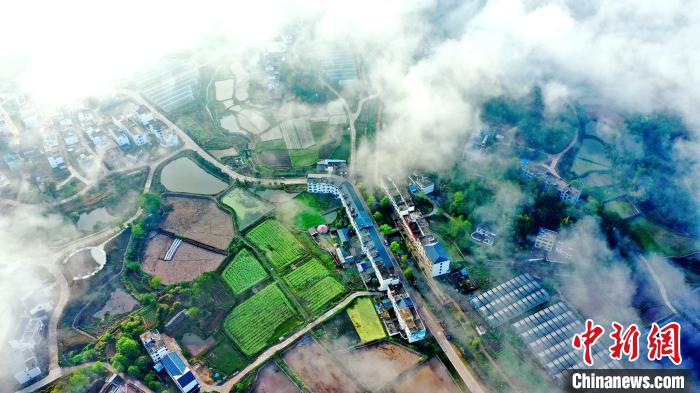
(564, 189)
(421, 184)
(422, 242)
(545, 239)
(411, 325)
(163, 135)
(375, 250)
(171, 362)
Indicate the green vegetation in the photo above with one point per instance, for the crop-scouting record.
(224, 358)
(306, 210)
(198, 125)
(313, 283)
(150, 202)
(243, 272)
(304, 157)
(621, 207)
(280, 246)
(260, 320)
(82, 380)
(248, 208)
(365, 319)
(657, 239)
(322, 293)
(304, 83)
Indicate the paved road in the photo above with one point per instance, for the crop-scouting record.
(188, 143)
(270, 352)
(659, 284)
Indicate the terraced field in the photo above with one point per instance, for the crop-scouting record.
(280, 246)
(260, 320)
(243, 272)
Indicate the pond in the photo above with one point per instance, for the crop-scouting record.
(184, 175)
(87, 221)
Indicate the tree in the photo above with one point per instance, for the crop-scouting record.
(155, 281)
(128, 347)
(457, 203)
(395, 247)
(385, 229)
(133, 266)
(408, 273)
(193, 311)
(385, 202)
(148, 299)
(150, 202)
(377, 216)
(138, 230)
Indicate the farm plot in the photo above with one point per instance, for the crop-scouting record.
(187, 264)
(230, 124)
(297, 134)
(314, 285)
(594, 151)
(246, 206)
(365, 320)
(196, 345)
(597, 179)
(224, 358)
(199, 219)
(305, 211)
(243, 273)
(431, 376)
(317, 369)
(622, 208)
(389, 360)
(280, 246)
(271, 379)
(119, 302)
(224, 89)
(260, 320)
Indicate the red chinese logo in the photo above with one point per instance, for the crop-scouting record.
(665, 342)
(626, 342)
(587, 339)
(662, 342)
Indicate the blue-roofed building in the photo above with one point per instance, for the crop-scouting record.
(343, 235)
(440, 261)
(183, 377)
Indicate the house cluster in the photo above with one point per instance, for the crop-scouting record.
(547, 247)
(170, 362)
(28, 341)
(564, 189)
(136, 127)
(429, 251)
(375, 265)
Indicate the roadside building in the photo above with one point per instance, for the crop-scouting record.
(55, 160)
(119, 136)
(421, 241)
(171, 362)
(565, 191)
(421, 184)
(410, 323)
(483, 236)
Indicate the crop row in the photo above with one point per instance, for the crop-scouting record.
(323, 292)
(256, 322)
(306, 275)
(280, 246)
(244, 272)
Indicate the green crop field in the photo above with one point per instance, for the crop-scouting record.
(657, 239)
(223, 358)
(247, 207)
(322, 293)
(306, 275)
(304, 157)
(312, 282)
(243, 272)
(621, 207)
(365, 319)
(260, 320)
(280, 246)
(305, 211)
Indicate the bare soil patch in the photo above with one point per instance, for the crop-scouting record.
(377, 365)
(317, 369)
(187, 264)
(431, 376)
(119, 302)
(271, 379)
(199, 219)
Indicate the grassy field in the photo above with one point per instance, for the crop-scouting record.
(304, 157)
(247, 207)
(365, 319)
(305, 211)
(597, 179)
(243, 272)
(224, 358)
(582, 166)
(312, 282)
(657, 239)
(280, 246)
(260, 320)
(594, 151)
(621, 207)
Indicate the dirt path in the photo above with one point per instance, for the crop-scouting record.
(557, 157)
(352, 117)
(659, 284)
(270, 352)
